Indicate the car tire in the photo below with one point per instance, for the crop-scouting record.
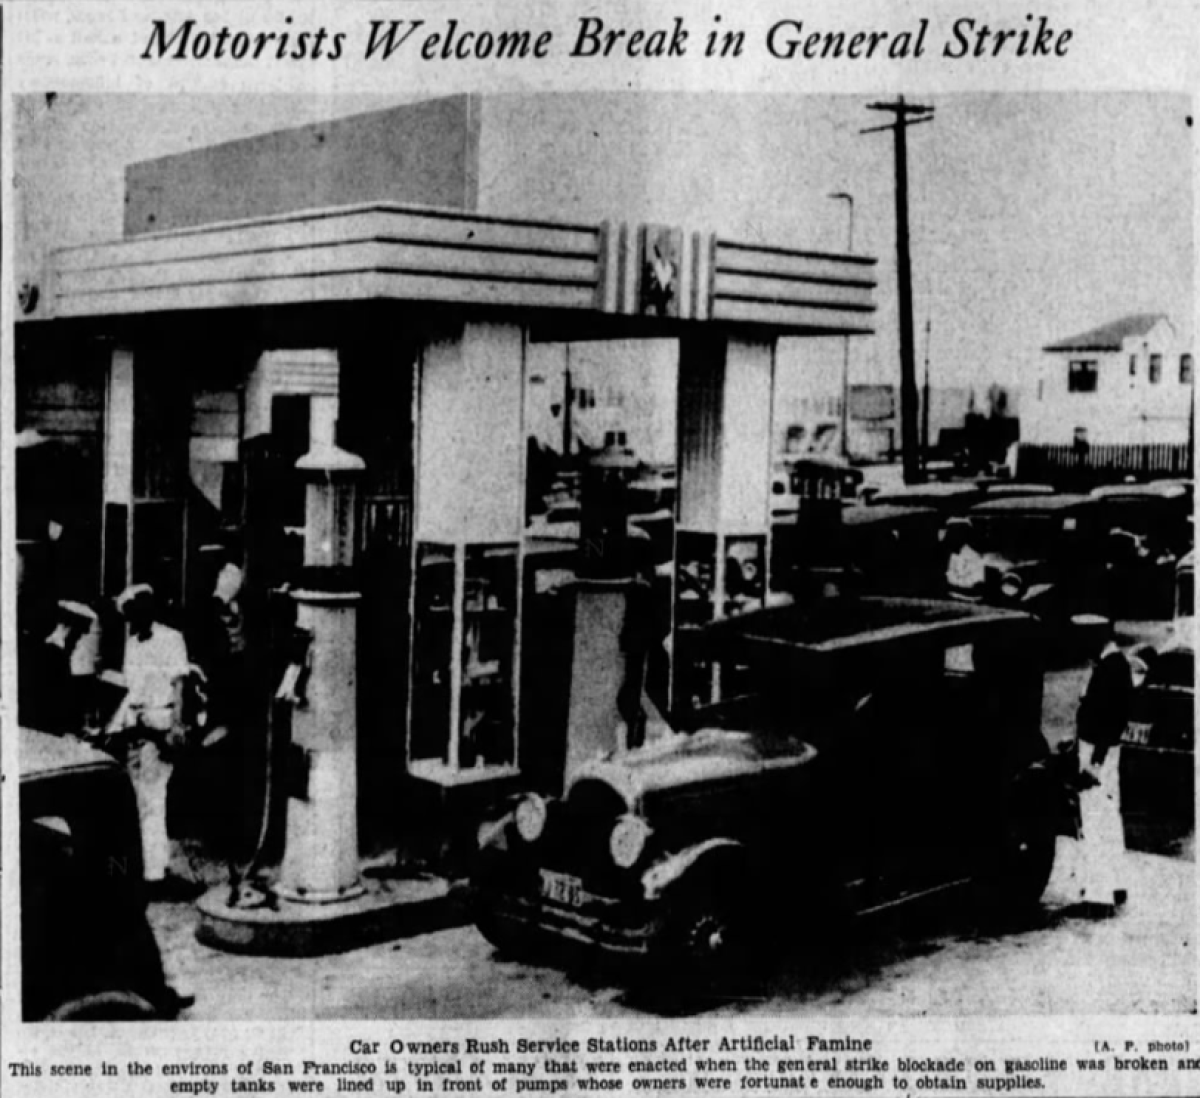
(104, 1006)
(705, 945)
(509, 940)
(1020, 865)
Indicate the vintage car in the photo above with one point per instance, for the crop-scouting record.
(886, 749)
(1045, 555)
(880, 550)
(87, 950)
(1148, 529)
(1159, 511)
(1157, 767)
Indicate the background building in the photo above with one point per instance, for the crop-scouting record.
(1128, 382)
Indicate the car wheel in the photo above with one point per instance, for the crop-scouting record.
(1020, 869)
(509, 939)
(706, 940)
(104, 1006)
(1029, 861)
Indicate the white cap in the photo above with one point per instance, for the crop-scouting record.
(134, 591)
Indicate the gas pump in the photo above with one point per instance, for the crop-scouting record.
(607, 708)
(319, 901)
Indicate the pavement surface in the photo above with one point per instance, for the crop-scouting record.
(930, 958)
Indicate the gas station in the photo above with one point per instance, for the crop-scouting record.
(345, 385)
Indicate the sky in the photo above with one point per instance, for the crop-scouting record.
(1033, 216)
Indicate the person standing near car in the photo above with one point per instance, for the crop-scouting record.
(1103, 714)
(148, 727)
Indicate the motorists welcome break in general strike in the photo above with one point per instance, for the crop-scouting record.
(452, 40)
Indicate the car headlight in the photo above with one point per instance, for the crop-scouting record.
(531, 818)
(1012, 586)
(628, 840)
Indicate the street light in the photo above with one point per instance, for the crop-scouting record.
(845, 196)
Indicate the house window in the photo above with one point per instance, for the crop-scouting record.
(1155, 369)
(1133, 365)
(1185, 369)
(1082, 376)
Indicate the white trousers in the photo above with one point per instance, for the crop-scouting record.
(150, 774)
(1102, 834)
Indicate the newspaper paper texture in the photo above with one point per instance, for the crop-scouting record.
(553, 548)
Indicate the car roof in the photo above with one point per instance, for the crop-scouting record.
(1154, 490)
(937, 491)
(42, 754)
(1031, 504)
(843, 626)
(870, 514)
(1004, 489)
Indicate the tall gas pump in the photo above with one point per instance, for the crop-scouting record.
(320, 863)
(319, 901)
(606, 707)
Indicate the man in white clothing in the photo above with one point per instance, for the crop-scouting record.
(149, 724)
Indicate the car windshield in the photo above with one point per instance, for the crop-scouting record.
(1017, 536)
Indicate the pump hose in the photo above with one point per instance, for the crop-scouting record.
(237, 875)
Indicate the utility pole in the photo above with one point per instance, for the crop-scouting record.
(568, 403)
(925, 402)
(845, 196)
(906, 114)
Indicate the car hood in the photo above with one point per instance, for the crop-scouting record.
(680, 761)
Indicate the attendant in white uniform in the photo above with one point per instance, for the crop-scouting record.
(1103, 714)
(148, 725)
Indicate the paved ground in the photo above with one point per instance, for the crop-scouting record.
(928, 959)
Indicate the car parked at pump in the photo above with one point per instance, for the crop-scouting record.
(885, 749)
(87, 950)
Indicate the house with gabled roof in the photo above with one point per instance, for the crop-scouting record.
(1129, 381)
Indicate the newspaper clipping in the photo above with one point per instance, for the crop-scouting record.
(554, 548)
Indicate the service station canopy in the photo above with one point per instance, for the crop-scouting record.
(394, 252)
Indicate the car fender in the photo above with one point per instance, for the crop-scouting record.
(668, 871)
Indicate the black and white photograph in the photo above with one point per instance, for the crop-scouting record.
(549, 548)
(604, 555)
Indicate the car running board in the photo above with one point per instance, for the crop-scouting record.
(915, 894)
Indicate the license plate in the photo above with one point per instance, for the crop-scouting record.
(562, 888)
(1137, 733)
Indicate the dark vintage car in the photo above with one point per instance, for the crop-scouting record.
(886, 749)
(1045, 555)
(879, 550)
(1148, 529)
(1158, 768)
(87, 950)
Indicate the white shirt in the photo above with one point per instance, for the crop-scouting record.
(153, 666)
